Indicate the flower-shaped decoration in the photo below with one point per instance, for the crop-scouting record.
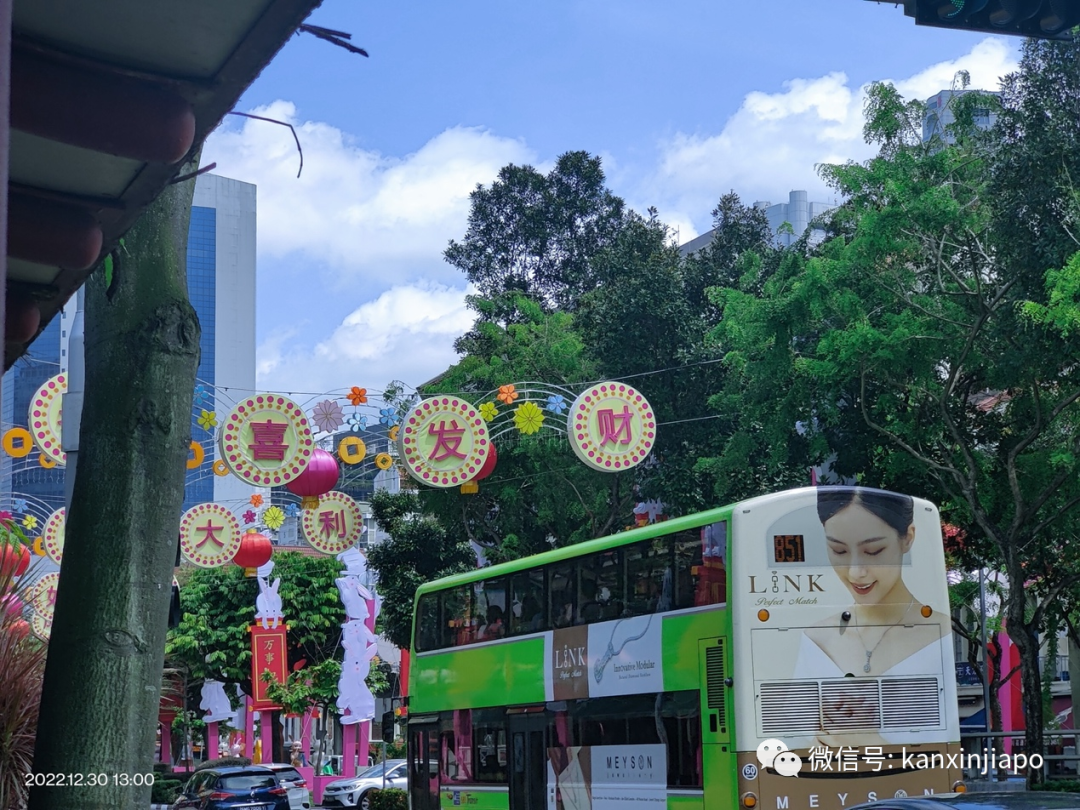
(256, 499)
(19, 505)
(556, 404)
(274, 517)
(200, 395)
(488, 411)
(249, 516)
(357, 396)
(6, 518)
(507, 394)
(388, 416)
(328, 416)
(528, 418)
(291, 510)
(30, 522)
(357, 422)
(207, 420)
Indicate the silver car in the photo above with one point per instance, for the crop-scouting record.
(292, 780)
(357, 791)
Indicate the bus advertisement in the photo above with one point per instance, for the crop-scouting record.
(792, 651)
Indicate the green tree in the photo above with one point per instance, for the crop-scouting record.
(910, 321)
(108, 633)
(419, 550)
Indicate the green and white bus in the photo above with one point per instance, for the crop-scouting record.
(665, 666)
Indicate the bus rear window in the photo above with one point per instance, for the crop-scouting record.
(459, 626)
(427, 623)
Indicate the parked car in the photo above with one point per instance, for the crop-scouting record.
(293, 781)
(357, 791)
(1011, 800)
(252, 787)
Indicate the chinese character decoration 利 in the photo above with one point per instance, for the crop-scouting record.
(357, 588)
(443, 442)
(209, 535)
(335, 526)
(266, 440)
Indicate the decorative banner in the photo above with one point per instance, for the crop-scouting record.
(268, 652)
(266, 440)
(611, 427)
(45, 419)
(209, 535)
(43, 601)
(52, 536)
(335, 526)
(444, 442)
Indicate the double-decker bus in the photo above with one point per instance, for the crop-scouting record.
(666, 665)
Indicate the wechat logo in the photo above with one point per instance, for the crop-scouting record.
(775, 754)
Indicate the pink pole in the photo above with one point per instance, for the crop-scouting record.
(166, 743)
(213, 742)
(365, 727)
(305, 734)
(348, 739)
(265, 730)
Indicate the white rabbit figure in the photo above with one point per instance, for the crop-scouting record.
(215, 702)
(354, 696)
(351, 596)
(356, 638)
(268, 603)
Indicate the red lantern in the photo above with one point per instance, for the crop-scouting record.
(320, 477)
(14, 560)
(255, 550)
(19, 628)
(488, 467)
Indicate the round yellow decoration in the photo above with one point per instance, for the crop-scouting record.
(45, 461)
(39, 547)
(352, 450)
(21, 435)
(197, 456)
(383, 461)
(392, 435)
(221, 468)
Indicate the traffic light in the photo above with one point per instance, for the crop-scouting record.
(388, 727)
(1041, 19)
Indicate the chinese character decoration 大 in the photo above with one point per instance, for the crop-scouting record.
(335, 526)
(443, 442)
(357, 589)
(611, 427)
(209, 535)
(266, 440)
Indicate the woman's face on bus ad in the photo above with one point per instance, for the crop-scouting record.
(866, 553)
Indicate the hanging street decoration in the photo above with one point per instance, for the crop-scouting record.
(357, 588)
(42, 600)
(335, 526)
(209, 535)
(266, 440)
(320, 476)
(443, 442)
(52, 536)
(255, 551)
(45, 418)
(612, 427)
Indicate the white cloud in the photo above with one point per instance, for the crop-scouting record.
(772, 144)
(406, 333)
(363, 214)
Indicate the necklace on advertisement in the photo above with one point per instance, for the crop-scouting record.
(858, 632)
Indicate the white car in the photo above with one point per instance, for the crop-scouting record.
(356, 792)
(291, 779)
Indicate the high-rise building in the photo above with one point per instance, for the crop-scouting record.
(798, 212)
(939, 116)
(221, 285)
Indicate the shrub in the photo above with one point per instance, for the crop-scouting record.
(223, 762)
(165, 791)
(389, 799)
(1063, 785)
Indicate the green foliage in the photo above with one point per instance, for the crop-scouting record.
(308, 687)
(1062, 310)
(165, 791)
(419, 550)
(222, 762)
(1062, 785)
(390, 799)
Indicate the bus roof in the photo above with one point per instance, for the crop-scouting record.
(580, 549)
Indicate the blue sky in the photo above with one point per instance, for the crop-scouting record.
(683, 100)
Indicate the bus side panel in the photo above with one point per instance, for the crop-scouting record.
(505, 674)
(681, 634)
(717, 722)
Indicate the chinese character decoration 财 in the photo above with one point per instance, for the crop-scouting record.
(209, 535)
(356, 586)
(611, 427)
(444, 441)
(335, 526)
(266, 440)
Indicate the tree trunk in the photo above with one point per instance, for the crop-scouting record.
(103, 676)
(995, 700)
(1027, 641)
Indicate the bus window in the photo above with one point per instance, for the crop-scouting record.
(489, 737)
(700, 578)
(490, 609)
(562, 588)
(427, 623)
(600, 592)
(649, 582)
(528, 600)
(458, 625)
